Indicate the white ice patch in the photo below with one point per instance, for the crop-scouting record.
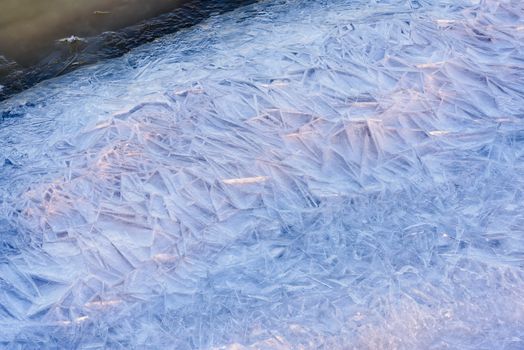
(72, 39)
(292, 175)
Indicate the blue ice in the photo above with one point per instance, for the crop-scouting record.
(291, 175)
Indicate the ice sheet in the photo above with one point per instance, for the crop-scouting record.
(292, 175)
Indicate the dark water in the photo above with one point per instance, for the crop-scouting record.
(44, 39)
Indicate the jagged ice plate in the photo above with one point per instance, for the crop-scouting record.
(291, 175)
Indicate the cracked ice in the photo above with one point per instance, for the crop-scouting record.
(291, 175)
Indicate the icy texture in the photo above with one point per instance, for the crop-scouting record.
(293, 175)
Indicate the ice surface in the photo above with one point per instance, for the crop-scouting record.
(292, 175)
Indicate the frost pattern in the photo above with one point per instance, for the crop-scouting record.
(292, 175)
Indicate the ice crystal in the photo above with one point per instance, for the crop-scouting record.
(292, 175)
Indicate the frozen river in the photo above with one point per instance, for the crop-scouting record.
(43, 39)
(290, 175)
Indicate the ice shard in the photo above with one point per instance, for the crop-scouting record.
(290, 175)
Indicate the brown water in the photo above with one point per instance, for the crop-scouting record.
(28, 27)
(31, 49)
